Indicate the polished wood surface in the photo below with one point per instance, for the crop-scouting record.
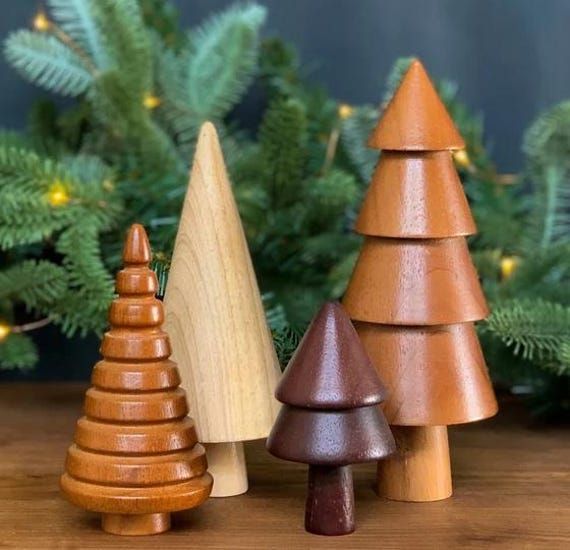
(135, 455)
(414, 278)
(421, 470)
(330, 417)
(215, 318)
(511, 491)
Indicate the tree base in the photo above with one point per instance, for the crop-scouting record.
(226, 463)
(421, 469)
(135, 524)
(330, 501)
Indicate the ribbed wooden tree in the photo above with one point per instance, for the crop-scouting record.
(414, 294)
(135, 456)
(216, 320)
(330, 418)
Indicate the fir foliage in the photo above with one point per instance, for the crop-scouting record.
(119, 153)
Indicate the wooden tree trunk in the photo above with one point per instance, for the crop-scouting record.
(421, 469)
(226, 462)
(330, 500)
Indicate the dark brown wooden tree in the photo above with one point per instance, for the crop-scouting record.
(135, 456)
(414, 294)
(330, 418)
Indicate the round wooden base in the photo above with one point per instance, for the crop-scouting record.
(135, 524)
(421, 469)
(226, 463)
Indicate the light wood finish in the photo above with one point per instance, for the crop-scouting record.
(421, 470)
(135, 456)
(214, 313)
(227, 465)
(510, 491)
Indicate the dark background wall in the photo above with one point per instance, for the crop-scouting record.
(510, 58)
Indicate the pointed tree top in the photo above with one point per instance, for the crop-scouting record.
(416, 119)
(330, 369)
(137, 247)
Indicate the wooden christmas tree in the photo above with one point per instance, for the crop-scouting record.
(217, 323)
(135, 456)
(414, 293)
(330, 418)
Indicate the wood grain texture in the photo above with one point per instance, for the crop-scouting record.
(228, 466)
(416, 119)
(135, 455)
(420, 471)
(510, 491)
(214, 314)
(330, 417)
(413, 279)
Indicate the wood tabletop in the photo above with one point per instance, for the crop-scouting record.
(512, 490)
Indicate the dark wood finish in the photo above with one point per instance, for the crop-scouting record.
(330, 417)
(511, 491)
(330, 500)
(135, 455)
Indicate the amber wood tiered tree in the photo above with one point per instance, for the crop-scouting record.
(414, 294)
(135, 456)
(216, 320)
(330, 418)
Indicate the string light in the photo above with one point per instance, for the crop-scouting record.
(461, 158)
(5, 330)
(345, 111)
(151, 101)
(57, 194)
(41, 22)
(108, 185)
(509, 265)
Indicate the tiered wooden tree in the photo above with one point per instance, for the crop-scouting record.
(414, 294)
(331, 418)
(135, 456)
(216, 320)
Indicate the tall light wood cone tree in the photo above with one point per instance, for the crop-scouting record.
(414, 294)
(217, 323)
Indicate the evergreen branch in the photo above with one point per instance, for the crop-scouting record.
(38, 284)
(533, 328)
(78, 20)
(221, 60)
(17, 351)
(45, 61)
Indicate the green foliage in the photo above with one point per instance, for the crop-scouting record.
(119, 153)
(47, 62)
(536, 329)
(18, 352)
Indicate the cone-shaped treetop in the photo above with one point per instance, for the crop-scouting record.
(330, 369)
(215, 316)
(331, 391)
(136, 451)
(416, 119)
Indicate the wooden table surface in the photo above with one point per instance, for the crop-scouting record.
(512, 490)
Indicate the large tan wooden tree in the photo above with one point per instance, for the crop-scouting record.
(414, 294)
(217, 324)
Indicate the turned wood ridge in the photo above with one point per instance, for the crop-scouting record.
(330, 418)
(136, 456)
(217, 324)
(414, 294)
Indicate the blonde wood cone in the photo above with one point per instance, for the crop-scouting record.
(216, 321)
(226, 463)
(421, 469)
